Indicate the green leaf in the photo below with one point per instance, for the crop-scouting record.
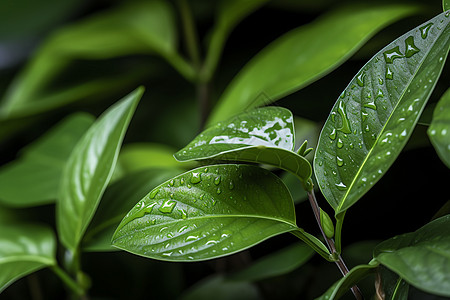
(421, 258)
(275, 264)
(439, 130)
(392, 286)
(41, 165)
(341, 287)
(316, 49)
(207, 213)
(90, 168)
(219, 288)
(446, 4)
(375, 115)
(24, 249)
(263, 135)
(118, 199)
(229, 14)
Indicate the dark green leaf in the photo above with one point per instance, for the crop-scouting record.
(421, 258)
(263, 135)
(439, 130)
(218, 288)
(275, 264)
(89, 169)
(341, 287)
(34, 178)
(446, 4)
(314, 49)
(207, 213)
(375, 115)
(118, 199)
(392, 286)
(24, 249)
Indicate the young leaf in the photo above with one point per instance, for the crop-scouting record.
(375, 115)
(41, 165)
(207, 213)
(89, 169)
(275, 264)
(421, 258)
(118, 199)
(263, 135)
(274, 72)
(439, 130)
(24, 249)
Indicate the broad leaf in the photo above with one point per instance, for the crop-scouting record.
(263, 135)
(275, 264)
(304, 55)
(90, 168)
(207, 213)
(24, 249)
(34, 178)
(391, 285)
(375, 115)
(421, 258)
(439, 130)
(341, 287)
(118, 199)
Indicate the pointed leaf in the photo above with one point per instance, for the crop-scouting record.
(118, 199)
(421, 258)
(263, 135)
(24, 249)
(34, 178)
(90, 168)
(375, 115)
(207, 213)
(304, 55)
(439, 130)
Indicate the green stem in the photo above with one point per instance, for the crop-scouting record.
(190, 32)
(68, 281)
(338, 231)
(313, 242)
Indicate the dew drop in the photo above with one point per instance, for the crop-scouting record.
(167, 206)
(433, 132)
(217, 180)
(380, 81)
(392, 54)
(371, 105)
(425, 29)
(360, 79)
(351, 146)
(379, 94)
(171, 183)
(182, 181)
(343, 94)
(191, 238)
(333, 134)
(411, 49)
(367, 129)
(389, 74)
(340, 143)
(183, 214)
(196, 177)
(345, 122)
(444, 132)
(153, 193)
(231, 185)
(340, 161)
(218, 191)
(364, 115)
(341, 186)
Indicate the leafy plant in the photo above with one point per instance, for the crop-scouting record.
(240, 184)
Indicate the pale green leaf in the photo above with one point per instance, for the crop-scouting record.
(375, 115)
(304, 55)
(24, 249)
(421, 258)
(446, 4)
(439, 130)
(33, 179)
(89, 169)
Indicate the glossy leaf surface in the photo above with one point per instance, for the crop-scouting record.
(278, 263)
(392, 286)
(89, 169)
(34, 178)
(262, 135)
(207, 213)
(375, 115)
(439, 130)
(421, 258)
(24, 249)
(118, 199)
(274, 72)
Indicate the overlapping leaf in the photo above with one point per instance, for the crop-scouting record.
(439, 130)
(263, 135)
(375, 115)
(299, 58)
(206, 213)
(90, 168)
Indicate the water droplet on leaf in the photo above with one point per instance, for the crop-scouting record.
(425, 29)
(196, 177)
(167, 206)
(411, 49)
(392, 54)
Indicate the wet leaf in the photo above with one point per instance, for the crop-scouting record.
(89, 169)
(439, 130)
(34, 178)
(275, 264)
(207, 213)
(421, 258)
(274, 72)
(24, 249)
(262, 135)
(375, 115)
(118, 199)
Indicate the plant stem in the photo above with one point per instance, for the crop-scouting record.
(190, 33)
(68, 281)
(330, 242)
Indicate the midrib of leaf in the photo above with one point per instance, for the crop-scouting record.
(437, 251)
(29, 258)
(385, 124)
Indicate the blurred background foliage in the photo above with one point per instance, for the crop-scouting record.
(61, 57)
